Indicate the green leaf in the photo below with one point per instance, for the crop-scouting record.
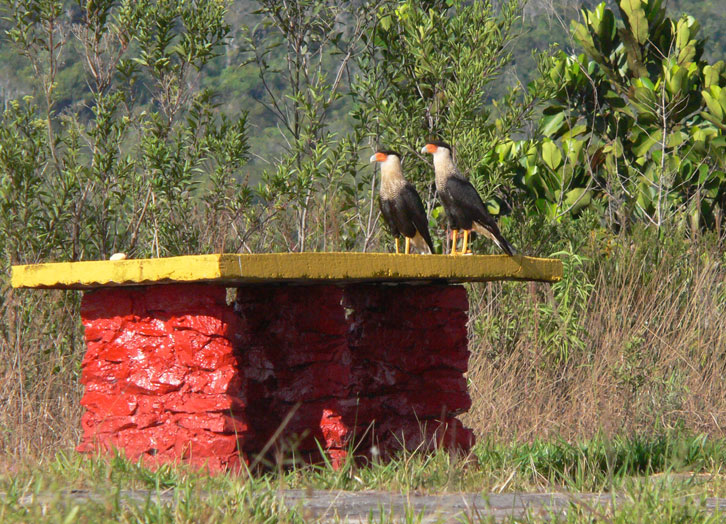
(551, 155)
(710, 76)
(575, 131)
(675, 79)
(573, 148)
(504, 150)
(636, 19)
(646, 141)
(582, 36)
(577, 199)
(716, 121)
(687, 54)
(546, 208)
(615, 100)
(646, 82)
(551, 124)
(676, 138)
(607, 26)
(683, 34)
(713, 106)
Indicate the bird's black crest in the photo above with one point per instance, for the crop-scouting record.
(439, 143)
(389, 152)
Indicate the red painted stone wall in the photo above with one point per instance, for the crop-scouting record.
(409, 348)
(174, 373)
(163, 379)
(359, 364)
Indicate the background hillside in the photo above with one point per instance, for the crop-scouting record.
(238, 87)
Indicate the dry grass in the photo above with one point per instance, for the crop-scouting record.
(41, 348)
(641, 347)
(628, 342)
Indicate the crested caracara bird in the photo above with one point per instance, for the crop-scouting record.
(401, 205)
(463, 205)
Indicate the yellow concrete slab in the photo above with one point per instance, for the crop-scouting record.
(285, 267)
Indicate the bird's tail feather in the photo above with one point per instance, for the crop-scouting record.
(504, 245)
(496, 235)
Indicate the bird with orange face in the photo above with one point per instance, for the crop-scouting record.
(464, 208)
(401, 204)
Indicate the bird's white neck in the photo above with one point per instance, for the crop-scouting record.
(443, 168)
(391, 176)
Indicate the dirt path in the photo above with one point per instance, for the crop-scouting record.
(327, 506)
(382, 506)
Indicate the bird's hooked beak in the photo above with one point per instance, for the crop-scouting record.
(429, 148)
(378, 157)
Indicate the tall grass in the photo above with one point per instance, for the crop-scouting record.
(631, 342)
(633, 339)
(41, 347)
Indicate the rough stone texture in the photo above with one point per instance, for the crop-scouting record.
(163, 379)
(174, 373)
(360, 364)
(409, 349)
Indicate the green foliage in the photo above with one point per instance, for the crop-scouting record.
(593, 464)
(86, 182)
(560, 328)
(312, 185)
(426, 72)
(635, 126)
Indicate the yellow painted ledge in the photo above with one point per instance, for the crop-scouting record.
(285, 267)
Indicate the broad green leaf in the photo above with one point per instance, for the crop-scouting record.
(645, 82)
(710, 76)
(573, 148)
(582, 36)
(687, 54)
(636, 18)
(713, 106)
(704, 174)
(504, 149)
(551, 154)
(577, 199)
(615, 100)
(546, 208)
(551, 124)
(716, 121)
(575, 131)
(683, 34)
(633, 53)
(646, 141)
(676, 138)
(607, 26)
(675, 79)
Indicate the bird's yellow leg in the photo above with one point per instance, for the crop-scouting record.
(465, 242)
(397, 245)
(408, 246)
(454, 234)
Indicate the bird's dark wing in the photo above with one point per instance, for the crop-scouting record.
(388, 210)
(415, 214)
(472, 208)
(466, 198)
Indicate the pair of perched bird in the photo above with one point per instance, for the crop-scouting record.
(404, 212)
